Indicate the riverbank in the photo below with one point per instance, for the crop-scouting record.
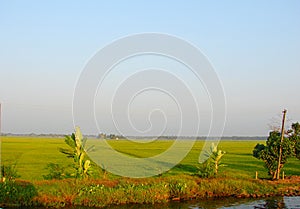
(101, 193)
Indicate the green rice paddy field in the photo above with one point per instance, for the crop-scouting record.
(31, 156)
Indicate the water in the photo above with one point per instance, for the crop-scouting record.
(227, 203)
(270, 203)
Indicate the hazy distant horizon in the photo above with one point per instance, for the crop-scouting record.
(130, 137)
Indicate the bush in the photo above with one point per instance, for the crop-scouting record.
(177, 188)
(56, 171)
(17, 193)
(9, 172)
(206, 170)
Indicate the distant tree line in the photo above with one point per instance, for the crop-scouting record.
(110, 136)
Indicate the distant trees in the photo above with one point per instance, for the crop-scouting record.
(269, 153)
(110, 136)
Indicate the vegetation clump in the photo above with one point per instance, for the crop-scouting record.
(210, 167)
(57, 171)
(76, 150)
(17, 193)
(295, 138)
(270, 153)
(13, 192)
(9, 172)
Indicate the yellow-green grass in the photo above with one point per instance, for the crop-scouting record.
(33, 154)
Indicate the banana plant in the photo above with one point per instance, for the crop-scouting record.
(76, 150)
(216, 156)
(210, 167)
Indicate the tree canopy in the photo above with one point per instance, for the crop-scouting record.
(269, 153)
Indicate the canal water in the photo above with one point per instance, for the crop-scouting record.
(226, 203)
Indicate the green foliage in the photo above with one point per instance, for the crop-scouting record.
(206, 170)
(257, 150)
(297, 149)
(93, 193)
(76, 151)
(9, 172)
(56, 171)
(100, 195)
(295, 137)
(269, 153)
(210, 167)
(177, 188)
(17, 193)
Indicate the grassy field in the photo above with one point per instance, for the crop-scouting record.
(235, 178)
(31, 156)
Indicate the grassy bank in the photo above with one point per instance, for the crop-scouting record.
(100, 193)
(236, 178)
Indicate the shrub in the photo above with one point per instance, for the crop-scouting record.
(9, 172)
(56, 171)
(17, 193)
(177, 189)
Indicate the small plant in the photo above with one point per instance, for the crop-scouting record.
(210, 167)
(9, 172)
(177, 189)
(206, 170)
(56, 171)
(17, 193)
(76, 151)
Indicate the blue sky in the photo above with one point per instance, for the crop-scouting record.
(253, 45)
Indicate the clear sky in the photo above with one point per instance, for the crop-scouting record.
(44, 45)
